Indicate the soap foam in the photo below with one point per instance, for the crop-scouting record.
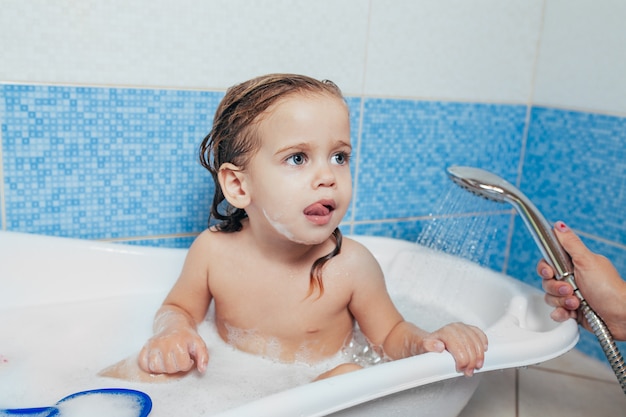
(100, 405)
(52, 351)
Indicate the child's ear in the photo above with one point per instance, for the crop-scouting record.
(232, 181)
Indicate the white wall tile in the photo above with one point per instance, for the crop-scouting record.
(482, 50)
(453, 49)
(582, 59)
(181, 43)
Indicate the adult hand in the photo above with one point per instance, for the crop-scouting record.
(597, 279)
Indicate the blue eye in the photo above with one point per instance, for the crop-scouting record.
(341, 158)
(296, 159)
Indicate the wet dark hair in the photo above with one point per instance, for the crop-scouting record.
(234, 139)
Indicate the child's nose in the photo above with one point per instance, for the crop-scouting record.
(324, 176)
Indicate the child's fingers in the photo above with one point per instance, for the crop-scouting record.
(481, 344)
(143, 359)
(160, 357)
(433, 345)
(469, 349)
(462, 357)
(482, 339)
(200, 353)
(179, 359)
(155, 362)
(467, 344)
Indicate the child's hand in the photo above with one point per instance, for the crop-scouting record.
(173, 352)
(175, 348)
(466, 343)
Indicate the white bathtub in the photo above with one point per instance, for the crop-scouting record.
(69, 308)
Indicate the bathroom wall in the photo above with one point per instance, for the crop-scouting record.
(103, 105)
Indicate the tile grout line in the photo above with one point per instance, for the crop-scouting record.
(517, 392)
(154, 237)
(571, 374)
(3, 211)
(347, 94)
(524, 139)
(355, 190)
(351, 222)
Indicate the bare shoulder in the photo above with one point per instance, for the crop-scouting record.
(359, 259)
(205, 237)
(355, 248)
(208, 241)
(205, 247)
(215, 251)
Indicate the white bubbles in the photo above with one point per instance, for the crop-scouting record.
(100, 405)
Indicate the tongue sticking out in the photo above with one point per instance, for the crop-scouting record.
(317, 209)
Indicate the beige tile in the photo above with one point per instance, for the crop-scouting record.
(495, 396)
(575, 362)
(552, 394)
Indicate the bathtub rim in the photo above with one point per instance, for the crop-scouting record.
(345, 390)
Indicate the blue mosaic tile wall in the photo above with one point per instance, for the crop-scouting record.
(407, 145)
(104, 162)
(575, 171)
(577, 166)
(121, 163)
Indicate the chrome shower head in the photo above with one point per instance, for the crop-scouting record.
(482, 183)
(492, 187)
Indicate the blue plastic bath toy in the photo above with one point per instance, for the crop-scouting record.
(133, 403)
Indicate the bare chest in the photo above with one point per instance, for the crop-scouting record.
(269, 311)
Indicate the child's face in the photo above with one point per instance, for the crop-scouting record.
(299, 180)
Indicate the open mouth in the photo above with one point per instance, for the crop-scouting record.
(320, 212)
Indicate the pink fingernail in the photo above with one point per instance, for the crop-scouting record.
(564, 290)
(561, 227)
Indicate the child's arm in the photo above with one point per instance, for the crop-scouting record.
(176, 345)
(384, 327)
(467, 344)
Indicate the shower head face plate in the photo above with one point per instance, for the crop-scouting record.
(481, 182)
